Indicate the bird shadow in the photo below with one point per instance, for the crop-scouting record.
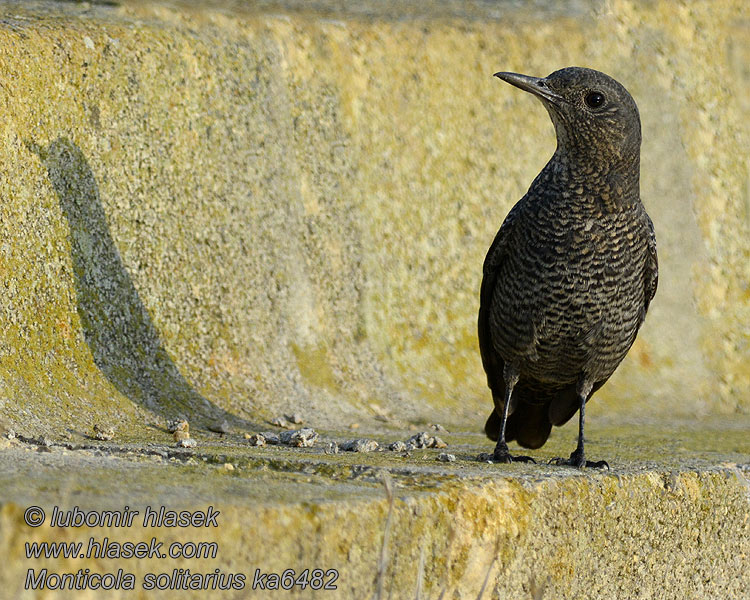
(122, 338)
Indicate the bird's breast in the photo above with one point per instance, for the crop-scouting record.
(570, 292)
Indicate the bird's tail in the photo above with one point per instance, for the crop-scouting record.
(529, 425)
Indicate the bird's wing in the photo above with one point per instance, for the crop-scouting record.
(493, 364)
(651, 270)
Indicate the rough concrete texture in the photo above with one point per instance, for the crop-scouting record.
(670, 521)
(232, 213)
(207, 211)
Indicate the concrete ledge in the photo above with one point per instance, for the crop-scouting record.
(677, 530)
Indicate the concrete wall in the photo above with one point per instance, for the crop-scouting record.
(225, 213)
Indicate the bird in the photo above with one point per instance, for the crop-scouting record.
(569, 276)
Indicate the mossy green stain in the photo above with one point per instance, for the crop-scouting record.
(314, 364)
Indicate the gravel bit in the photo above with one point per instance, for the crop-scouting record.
(397, 446)
(103, 433)
(332, 448)
(296, 418)
(257, 439)
(421, 440)
(175, 424)
(219, 427)
(186, 443)
(300, 438)
(182, 426)
(445, 457)
(360, 445)
(271, 437)
(425, 440)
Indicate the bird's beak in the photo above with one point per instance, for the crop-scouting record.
(535, 85)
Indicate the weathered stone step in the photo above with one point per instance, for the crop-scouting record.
(231, 213)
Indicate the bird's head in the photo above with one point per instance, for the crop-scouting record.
(595, 117)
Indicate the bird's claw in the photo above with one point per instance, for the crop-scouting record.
(507, 458)
(580, 462)
(599, 464)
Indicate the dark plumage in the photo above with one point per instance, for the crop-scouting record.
(569, 277)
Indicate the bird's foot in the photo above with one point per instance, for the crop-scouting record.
(577, 459)
(506, 457)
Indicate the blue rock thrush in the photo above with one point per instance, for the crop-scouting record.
(570, 275)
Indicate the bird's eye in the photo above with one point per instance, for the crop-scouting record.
(594, 99)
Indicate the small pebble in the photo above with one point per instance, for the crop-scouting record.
(228, 467)
(296, 418)
(271, 437)
(397, 446)
(186, 443)
(175, 424)
(438, 427)
(178, 425)
(332, 448)
(360, 445)
(300, 438)
(445, 457)
(256, 439)
(425, 440)
(438, 443)
(219, 427)
(420, 440)
(103, 433)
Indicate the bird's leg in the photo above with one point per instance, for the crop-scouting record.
(501, 453)
(578, 457)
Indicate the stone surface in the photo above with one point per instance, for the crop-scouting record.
(223, 214)
(671, 517)
(244, 214)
